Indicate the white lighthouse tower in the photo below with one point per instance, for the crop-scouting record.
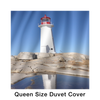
(46, 42)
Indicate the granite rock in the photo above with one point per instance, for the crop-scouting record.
(26, 55)
(61, 59)
(51, 54)
(60, 65)
(27, 70)
(43, 55)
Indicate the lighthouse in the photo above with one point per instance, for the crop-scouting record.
(46, 36)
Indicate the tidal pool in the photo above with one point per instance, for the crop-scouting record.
(47, 81)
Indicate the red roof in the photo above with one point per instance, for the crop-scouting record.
(45, 17)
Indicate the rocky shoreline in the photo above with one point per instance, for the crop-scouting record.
(27, 64)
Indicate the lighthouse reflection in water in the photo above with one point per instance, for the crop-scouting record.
(49, 81)
(52, 82)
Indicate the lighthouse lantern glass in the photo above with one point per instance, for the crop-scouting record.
(45, 21)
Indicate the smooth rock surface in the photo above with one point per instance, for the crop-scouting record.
(75, 56)
(60, 65)
(26, 55)
(27, 70)
(51, 54)
(17, 70)
(43, 55)
(61, 59)
(63, 63)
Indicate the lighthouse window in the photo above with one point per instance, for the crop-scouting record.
(51, 48)
(45, 20)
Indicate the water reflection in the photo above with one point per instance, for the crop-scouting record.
(46, 81)
(49, 81)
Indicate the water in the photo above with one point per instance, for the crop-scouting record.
(52, 82)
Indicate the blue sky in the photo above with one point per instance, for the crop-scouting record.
(70, 31)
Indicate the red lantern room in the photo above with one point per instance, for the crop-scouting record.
(45, 20)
